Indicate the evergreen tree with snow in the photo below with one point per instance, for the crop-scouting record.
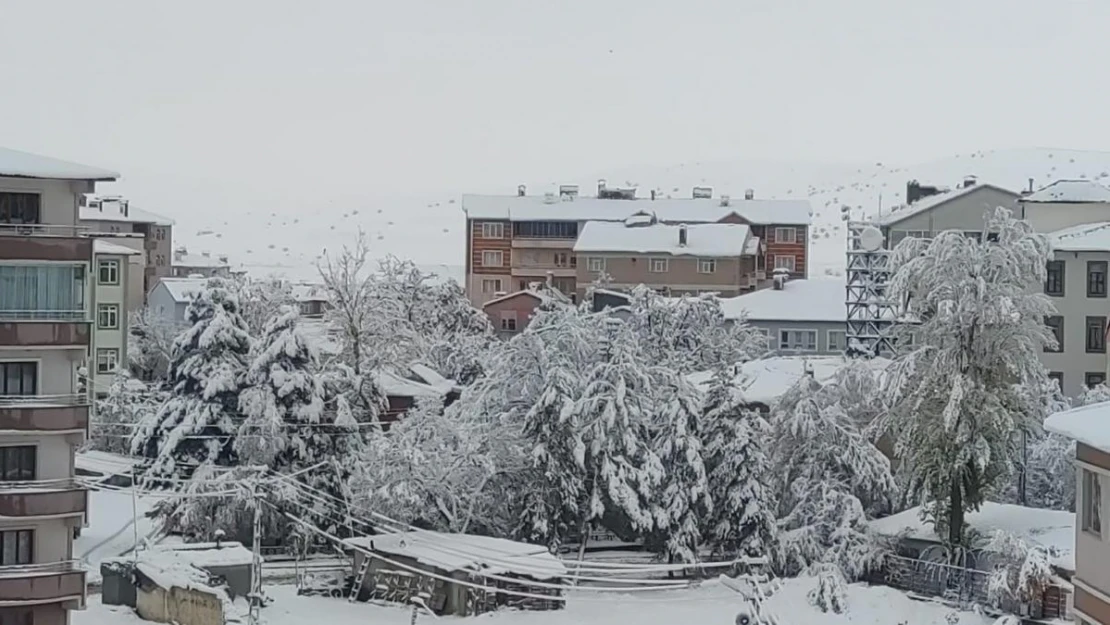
(959, 398)
(126, 403)
(740, 476)
(684, 497)
(196, 426)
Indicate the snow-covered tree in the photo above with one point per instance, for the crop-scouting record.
(829, 594)
(151, 344)
(737, 439)
(684, 497)
(260, 300)
(126, 403)
(196, 426)
(1022, 570)
(958, 398)
(347, 278)
(360, 396)
(1093, 395)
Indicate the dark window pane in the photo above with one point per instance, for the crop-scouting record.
(19, 208)
(24, 548)
(1094, 379)
(1056, 325)
(1096, 335)
(1054, 281)
(1096, 278)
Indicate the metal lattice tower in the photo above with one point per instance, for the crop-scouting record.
(871, 314)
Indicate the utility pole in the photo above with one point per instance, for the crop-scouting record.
(256, 563)
(135, 510)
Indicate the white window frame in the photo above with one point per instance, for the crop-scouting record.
(1091, 512)
(112, 266)
(707, 265)
(109, 356)
(785, 344)
(843, 339)
(792, 266)
(493, 230)
(110, 310)
(658, 265)
(780, 235)
(506, 316)
(500, 256)
(595, 264)
(491, 281)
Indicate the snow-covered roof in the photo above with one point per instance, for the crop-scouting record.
(541, 293)
(703, 240)
(1071, 191)
(1082, 238)
(102, 463)
(204, 555)
(1089, 425)
(766, 380)
(110, 210)
(700, 210)
(183, 289)
(309, 292)
(1053, 529)
(460, 552)
(799, 300)
(206, 261)
(17, 164)
(100, 246)
(433, 378)
(898, 213)
(397, 385)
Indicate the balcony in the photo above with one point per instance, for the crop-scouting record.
(44, 242)
(45, 334)
(44, 413)
(51, 498)
(42, 583)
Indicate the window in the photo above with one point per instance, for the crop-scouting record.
(1096, 278)
(1094, 378)
(801, 340)
(707, 265)
(160, 260)
(108, 271)
(785, 262)
(836, 340)
(19, 378)
(19, 208)
(107, 316)
(562, 259)
(1092, 503)
(493, 230)
(595, 264)
(106, 360)
(546, 229)
(17, 464)
(658, 265)
(1096, 335)
(974, 234)
(992, 237)
(160, 234)
(17, 616)
(42, 291)
(491, 285)
(1054, 281)
(508, 321)
(492, 258)
(786, 235)
(16, 547)
(1056, 324)
(1058, 376)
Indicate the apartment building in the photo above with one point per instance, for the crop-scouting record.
(186, 265)
(515, 240)
(722, 258)
(1091, 582)
(114, 215)
(46, 320)
(932, 210)
(797, 316)
(113, 266)
(1065, 203)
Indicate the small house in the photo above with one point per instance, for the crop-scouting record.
(227, 565)
(459, 574)
(796, 316)
(170, 590)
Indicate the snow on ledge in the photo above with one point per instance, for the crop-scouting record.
(1089, 425)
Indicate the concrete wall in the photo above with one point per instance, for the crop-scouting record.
(1092, 551)
(1074, 362)
(963, 213)
(1050, 216)
(60, 198)
(774, 328)
(57, 367)
(179, 605)
(53, 454)
(112, 338)
(681, 276)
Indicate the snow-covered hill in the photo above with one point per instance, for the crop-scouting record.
(280, 234)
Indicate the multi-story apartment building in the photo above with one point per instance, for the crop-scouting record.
(797, 317)
(116, 215)
(46, 318)
(203, 264)
(1091, 582)
(722, 258)
(1065, 203)
(959, 209)
(516, 240)
(113, 267)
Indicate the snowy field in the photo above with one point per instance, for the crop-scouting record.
(708, 605)
(110, 532)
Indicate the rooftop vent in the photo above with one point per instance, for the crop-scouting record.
(749, 194)
(683, 235)
(222, 258)
(568, 190)
(616, 194)
(779, 277)
(521, 190)
(725, 200)
(969, 181)
(600, 187)
(549, 198)
(702, 193)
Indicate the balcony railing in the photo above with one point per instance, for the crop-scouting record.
(46, 568)
(39, 230)
(60, 484)
(43, 401)
(43, 315)
(42, 583)
(39, 498)
(45, 413)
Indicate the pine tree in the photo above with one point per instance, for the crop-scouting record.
(736, 442)
(196, 426)
(959, 399)
(126, 403)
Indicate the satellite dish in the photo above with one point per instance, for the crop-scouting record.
(871, 239)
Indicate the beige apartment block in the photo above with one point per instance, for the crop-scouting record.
(113, 215)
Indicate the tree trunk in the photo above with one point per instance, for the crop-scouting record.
(955, 513)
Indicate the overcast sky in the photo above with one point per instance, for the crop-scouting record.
(266, 98)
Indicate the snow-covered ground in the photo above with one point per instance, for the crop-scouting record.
(110, 531)
(709, 605)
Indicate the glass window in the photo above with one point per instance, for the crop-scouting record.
(1096, 335)
(107, 316)
(492, 258)
(658, 265)
(1094, 378)
(491, 285)
(508, 321)
(17, 464)
(19, 208)
(19, 378)
(801, 340)
(595, 264)
(107, 359)
(785, 262)
(42, 292)
(1058, 376)
(707, 265)
(17, 547)
(493, 230)
(1054, 279)
(1092, 502)
(836, 340)
(108, 272)
(974, 234)
(786, 235)
(1096, 278)
(1056, 324)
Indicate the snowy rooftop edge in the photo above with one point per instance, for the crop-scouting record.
(1089, 425)
(711, 240)
(1092, 237)
(903, 211)
(18, 164)
(816, 300)
(1069, 191)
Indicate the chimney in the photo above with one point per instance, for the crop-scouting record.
(1030, 185)
(915, 191)
(521, 190)
(682, 235)
(180, 252)
(749, 194)
(222, 258)
(568, 191)
(653, 194)
(779, 278)
(725, 200)
(123, 207)
(600, 187)
(701, 193)
(969, 181)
